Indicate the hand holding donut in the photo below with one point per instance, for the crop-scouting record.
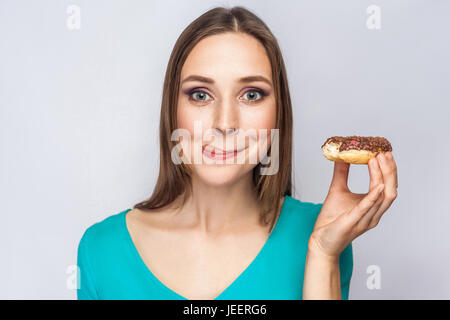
(346, 215)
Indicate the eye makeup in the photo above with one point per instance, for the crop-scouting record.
(263, 92)
(190, 91)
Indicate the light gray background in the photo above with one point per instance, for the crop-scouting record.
(80, 111)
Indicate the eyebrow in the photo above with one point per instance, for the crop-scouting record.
(241, 80)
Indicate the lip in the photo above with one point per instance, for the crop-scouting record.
(216, 153)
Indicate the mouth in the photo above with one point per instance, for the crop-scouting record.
(216, 153)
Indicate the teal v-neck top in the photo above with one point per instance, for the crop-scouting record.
(110, 266)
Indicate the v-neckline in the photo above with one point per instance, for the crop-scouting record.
(158, 282)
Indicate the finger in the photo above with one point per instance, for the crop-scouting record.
(391, 161)
(364, 206)
(390, 194)
(384, 206)
(340, 176)
(377, 216)
(388, 170)
(376, 176)
(365, 221)
(389, 178)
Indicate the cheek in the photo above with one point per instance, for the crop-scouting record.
(262, 120)
(187, 116)
(259, 118)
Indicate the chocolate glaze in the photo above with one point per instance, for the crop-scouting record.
(374, 144)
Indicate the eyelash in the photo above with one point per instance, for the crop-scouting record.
(194, 90)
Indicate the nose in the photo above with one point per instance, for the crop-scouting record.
(226, 131)
(226, 119)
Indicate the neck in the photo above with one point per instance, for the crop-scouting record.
(212, 209)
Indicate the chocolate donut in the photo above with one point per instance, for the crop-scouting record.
(354, 149)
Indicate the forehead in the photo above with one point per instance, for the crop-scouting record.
(227, 55)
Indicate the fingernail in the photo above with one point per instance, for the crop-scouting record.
(380, 188)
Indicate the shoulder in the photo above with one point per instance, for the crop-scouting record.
(303, 210)
(104, 233)
(298, 218)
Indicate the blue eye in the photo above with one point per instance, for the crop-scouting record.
(253, 95)
(201, 95)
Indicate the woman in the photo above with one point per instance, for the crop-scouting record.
(215, 230)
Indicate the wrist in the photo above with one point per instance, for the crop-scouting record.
(322, 275)
(317, 253)
(314, 254)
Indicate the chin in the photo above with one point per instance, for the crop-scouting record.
(221, 174)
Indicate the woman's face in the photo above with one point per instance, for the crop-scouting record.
(231, 109)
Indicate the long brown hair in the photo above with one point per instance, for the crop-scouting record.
(174, 180)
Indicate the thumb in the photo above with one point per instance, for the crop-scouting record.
(340, 176)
